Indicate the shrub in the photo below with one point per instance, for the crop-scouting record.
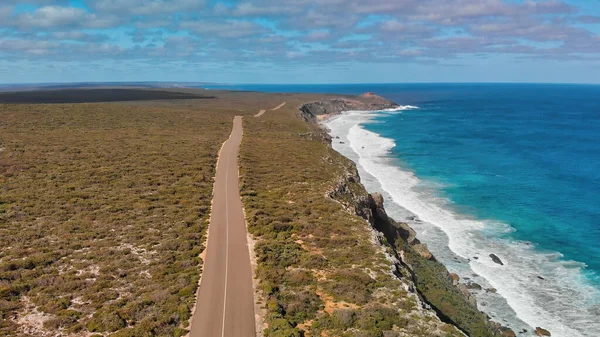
(106, 320)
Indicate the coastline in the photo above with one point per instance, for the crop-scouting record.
(444, 254)
(500, 302)
(485, 287)
(452, 301)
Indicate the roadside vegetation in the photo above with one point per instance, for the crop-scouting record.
(103, 212)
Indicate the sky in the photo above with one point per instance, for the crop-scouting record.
(300, 41)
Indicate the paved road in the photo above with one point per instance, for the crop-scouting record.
(225, 304)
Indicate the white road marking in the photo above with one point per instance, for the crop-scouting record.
(226, 244)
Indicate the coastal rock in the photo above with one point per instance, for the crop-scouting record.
(491, 290)
(377, 207)
(407, 233)
(422, 250)
(377, 199)
(496, 259)
(473, 285)
(389, 227)
(454, 277)
(366, 102)
(467, 295)
(542, 332)
(507, 332)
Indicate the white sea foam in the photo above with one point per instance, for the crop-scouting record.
(399, 108)
(562, 302)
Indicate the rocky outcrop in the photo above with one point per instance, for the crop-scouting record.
(542, 332)
(367, 102)
(506, 332)
(414, 263)
(455, 278)
(467, 294)
(496, 259)
(453, 302)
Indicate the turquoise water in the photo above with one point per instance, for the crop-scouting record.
(512, 169)
(526, 155)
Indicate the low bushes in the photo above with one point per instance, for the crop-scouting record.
(103, 210)
(319, 269)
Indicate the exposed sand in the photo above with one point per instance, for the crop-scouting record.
(262, 112)
(279, 106)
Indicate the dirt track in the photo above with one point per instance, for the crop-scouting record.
(262, 112)
(279, 106)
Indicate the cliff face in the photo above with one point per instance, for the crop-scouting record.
(367, 102)
(452, 302)
(413, 260)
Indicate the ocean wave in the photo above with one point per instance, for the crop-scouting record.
(399, 109)
(534, 288)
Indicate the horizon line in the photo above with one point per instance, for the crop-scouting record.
(209, 83)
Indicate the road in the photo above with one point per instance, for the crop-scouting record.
(262, 112)
(225, 304)
(279, 106)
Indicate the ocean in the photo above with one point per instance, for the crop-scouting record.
(479, 169)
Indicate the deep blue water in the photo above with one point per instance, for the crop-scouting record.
(524, 154)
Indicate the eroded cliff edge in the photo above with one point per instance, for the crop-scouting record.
(365, 102)
(452, 301)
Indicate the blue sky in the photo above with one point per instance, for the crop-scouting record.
(300, 41)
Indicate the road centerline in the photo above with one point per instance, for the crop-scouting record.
(226, 244)
(213, 316)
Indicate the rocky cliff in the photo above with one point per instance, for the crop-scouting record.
(434, 284)
(452, 301)
(368, 102)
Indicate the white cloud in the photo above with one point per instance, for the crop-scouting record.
(249, 9)
(52, 16)
(318, 35)
(313, 31)
(146, 7)
(57, 17)
(227, 29)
